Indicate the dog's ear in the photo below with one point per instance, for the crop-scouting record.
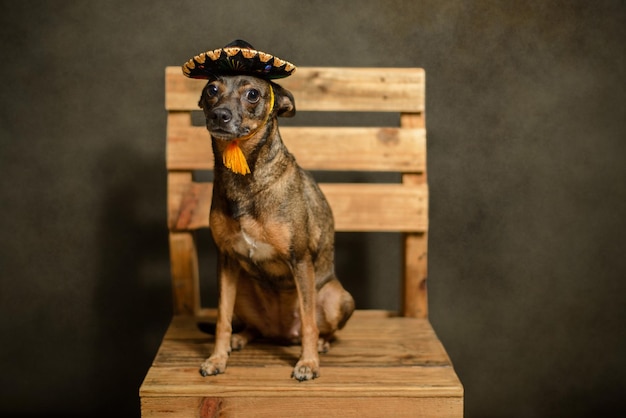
(285, 103)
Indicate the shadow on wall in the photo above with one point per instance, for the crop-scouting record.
(132, 296)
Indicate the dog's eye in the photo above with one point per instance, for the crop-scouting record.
(253, 95)
(212, 90)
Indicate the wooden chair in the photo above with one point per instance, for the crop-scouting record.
(383, 363)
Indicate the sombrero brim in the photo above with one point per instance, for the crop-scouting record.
(236, 60)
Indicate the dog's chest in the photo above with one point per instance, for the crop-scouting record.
(255, 249)
(265, 243)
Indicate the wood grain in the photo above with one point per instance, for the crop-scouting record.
(378, 355)
(185, 274)
(309, 407)
(315, 148)
(356, 207)
(324, 89)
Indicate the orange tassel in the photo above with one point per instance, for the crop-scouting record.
(234, 159)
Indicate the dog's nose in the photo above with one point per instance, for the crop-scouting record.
(221, 115)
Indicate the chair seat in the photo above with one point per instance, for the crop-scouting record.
(378, 355)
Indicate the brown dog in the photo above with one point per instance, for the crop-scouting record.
(272, 226)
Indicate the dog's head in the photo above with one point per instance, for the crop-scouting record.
(236, 107)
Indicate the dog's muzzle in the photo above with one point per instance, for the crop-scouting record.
(221, 116)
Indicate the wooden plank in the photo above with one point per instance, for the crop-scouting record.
(413, 120)
(415, 274)
(358, 149)
(415, 268)
(358, 89)
(311, 407)
(178, 186)
(378, 207)
(325, 89)
(315, 148)
(334, 382)
(181, 93)
(185, 275)
(356, 207)
(195, 205)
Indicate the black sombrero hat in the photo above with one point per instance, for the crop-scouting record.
(238, 57)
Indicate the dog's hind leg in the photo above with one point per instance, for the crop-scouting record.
(334, 307)
(241, 339)
(323, 345)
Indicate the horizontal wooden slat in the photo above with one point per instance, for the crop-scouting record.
(356, 207)
(378, 207)
(272, 380)
(277, 406)
(315, 148)
(325, 89)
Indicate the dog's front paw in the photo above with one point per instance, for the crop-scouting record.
(306, 370)
(213, 365)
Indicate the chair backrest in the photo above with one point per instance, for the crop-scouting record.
(390, 207)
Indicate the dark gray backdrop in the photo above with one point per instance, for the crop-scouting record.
(526, 130)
